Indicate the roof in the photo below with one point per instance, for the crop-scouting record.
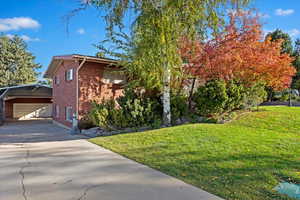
(28, 90)
(26, 85)
(56, 60)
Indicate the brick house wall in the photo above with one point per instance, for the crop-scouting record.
(64, 93)
(93, 88)
(9, 104)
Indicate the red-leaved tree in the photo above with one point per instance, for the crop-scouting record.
(239, 53)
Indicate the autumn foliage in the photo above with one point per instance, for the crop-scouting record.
(239, 53)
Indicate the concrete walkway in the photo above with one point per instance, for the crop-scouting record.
(39, 161)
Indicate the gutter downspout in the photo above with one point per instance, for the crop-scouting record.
(77, 87)
(75, 129)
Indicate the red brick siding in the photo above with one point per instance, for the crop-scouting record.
(91, 87)
(64, 93)
(9, 104)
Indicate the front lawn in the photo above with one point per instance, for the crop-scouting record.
(244, 159)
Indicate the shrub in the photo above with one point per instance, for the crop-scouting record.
(133, 109)
(138, 108)
(179, 106)
(211, 98)
(254, 96)
(100, 114)
(217, 97)
(85, 123)
(285, 96)
(235, 93)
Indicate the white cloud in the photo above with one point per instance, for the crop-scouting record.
(17, 23)
(281, 12)
(25, 38)
(81, 31)
(294, 32)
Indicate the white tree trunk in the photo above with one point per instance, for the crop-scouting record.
(166, 97)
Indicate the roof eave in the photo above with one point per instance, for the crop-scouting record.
(52, 67)
(55, 62)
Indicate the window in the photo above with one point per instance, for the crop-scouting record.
(56, 111)
(69, 75)
(69, 113)
(56, 80)
(114, 77)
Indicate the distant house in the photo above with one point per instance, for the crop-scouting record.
(25, 102)
(79, 80)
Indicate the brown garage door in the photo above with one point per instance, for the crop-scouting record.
(32, 110)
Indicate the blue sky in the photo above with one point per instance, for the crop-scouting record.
(41, 24)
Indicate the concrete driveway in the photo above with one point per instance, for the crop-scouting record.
(40, 161)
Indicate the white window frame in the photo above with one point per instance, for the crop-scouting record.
(57, 111)
(69, 75)
(69, 113)
(56, 80)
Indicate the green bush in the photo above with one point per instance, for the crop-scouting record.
(100, 114)
(211, 98)
(217, 97)
(285, 95)
(139, 109)
(254, 96)
(235, 93)
(179, 106)
(130, 110)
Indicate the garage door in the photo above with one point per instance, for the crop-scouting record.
(32, 110)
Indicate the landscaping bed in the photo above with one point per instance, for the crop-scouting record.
(243, 159)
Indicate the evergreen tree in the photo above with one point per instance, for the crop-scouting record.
(296, 63)
(287, 45)
(17, 64)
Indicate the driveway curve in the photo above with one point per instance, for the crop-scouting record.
(40, 161)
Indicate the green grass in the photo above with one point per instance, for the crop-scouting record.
(244, 159)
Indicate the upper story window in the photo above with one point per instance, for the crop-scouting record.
(56, 80)
(114, 77)
(69, 75)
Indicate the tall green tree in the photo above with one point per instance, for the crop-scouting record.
(296, 63)
(17, 64)
(287, 45)
(150, 53)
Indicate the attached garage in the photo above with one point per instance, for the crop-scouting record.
(25, 102)
(24, 111)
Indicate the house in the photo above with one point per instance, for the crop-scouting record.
(25, 102)
(79, 80)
